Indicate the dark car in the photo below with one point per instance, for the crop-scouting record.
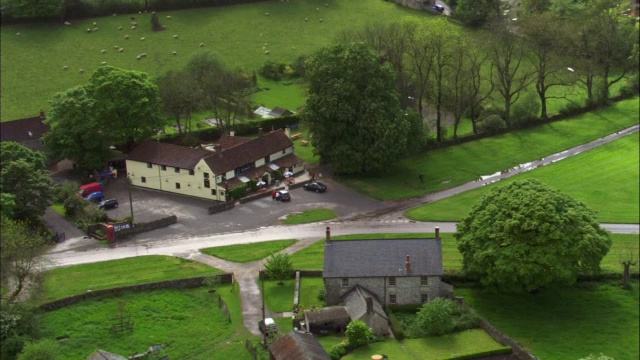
(284, 195)
(315, 186)
(108, 204)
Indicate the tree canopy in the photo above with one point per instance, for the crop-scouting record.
(25, 183)
(526, 236)
(352, 109)
(279, 266)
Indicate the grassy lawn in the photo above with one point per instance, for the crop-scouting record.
(309, 289)
(442, 347)
(187, 321)
(73, 280)
(566, 324)
(312, 257)
(453, 166)
(279, 298)
(281, 93)
(614, 165)
(237, 34)
(58, 208)
(304, 152)
(310, 216)
(245, 253)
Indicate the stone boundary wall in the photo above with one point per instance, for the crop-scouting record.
(310, 272)
(167, 284)
(221, 207)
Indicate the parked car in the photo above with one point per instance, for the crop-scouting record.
(315, 186)
(268, 326)
(284, 195)
(108, 204)
(87, 189)
(437, 8)
(96, 196)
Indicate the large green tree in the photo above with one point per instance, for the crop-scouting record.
(25, 183)
(526, 236)
(352, 109)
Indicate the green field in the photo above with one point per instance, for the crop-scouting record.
(245, 253)
(452, 166)
(279, 298)
(571, 323)
(312, 257)
(605, 178)
(73, 280)
(187, 321)
(32, 62)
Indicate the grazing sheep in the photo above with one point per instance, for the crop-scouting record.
(133, 28)
(114, 14)
(81, 71)
(293, 47)
(116, 47)
(67, 23)
(266, 14)
(326, 4)
(142, 38)
(168, 17)
(94, 29)
(201, 45)
(138, 57)
(174, 53)
(103, 51)
(306, 19)
(120, 28)
(88, 30)
(320, 19)
(126, 37)
(175, 36)
(103, 63)
(95, 24)
(143, 54)
(121, 50)
(65, 67)
(266, 52)
(17, 34)
(133, 23)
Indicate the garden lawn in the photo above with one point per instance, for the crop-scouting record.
(305, 152)
(187, 321)
(464, 343)
(245, 253)
(73, 280)
(310, 287)
(286, 94)
(279, 298)
(312, 257)
(452, 166)
(310, 216)
(32, 62)
(605, 178)
(570, 323)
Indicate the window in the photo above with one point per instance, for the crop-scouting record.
(213, 191)
(206, 175)
(392, 298)
(177, 185)
(424, 281)
(163, 167)
(191, 172)
(143, 179)
(177, 169)
(392, 281)
(149, 165)
(221, 193)
(345, 282)
(206, 183)
(424, 298)
(284, 151)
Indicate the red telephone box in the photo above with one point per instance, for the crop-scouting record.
(111, 233)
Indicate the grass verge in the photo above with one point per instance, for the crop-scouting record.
(310, 216)
(279, 298)
(605, 178)
(245, 253)
(568, 323)
(73, 280)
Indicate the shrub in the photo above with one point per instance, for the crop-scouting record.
(435, 318)
(571, 108)
(491, 124)
(74, 205)
(92, 214)
(322, 295)
(358, 334)
(337, 351)
(396, 326)
(279, 266)
(272, 70)
(64, 191)
(45, 349)
(526, 109)
(464, 317)
(238, 192)
(632, 87)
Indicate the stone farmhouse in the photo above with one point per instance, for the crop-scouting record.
(28, 132)
(393, 272)
(210, 171)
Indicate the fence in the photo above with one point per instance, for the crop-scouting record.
(178, 284)
(225, 309)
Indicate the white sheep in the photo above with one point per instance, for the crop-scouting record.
(266, 52)
(133, 23)
(17, 34)
(306, 19)
(320, 19)
(168, 17)
(103, 51)
(120, 27)
(174, 53)
(133, 27)
(126, 37)
(81, 71)
(265, 44)
(175, 36)
(114, 14)
(88, 30)
(103, 63)
(65, 67)
(121, 50)
(143, 54)
(94, 29)
(95, 24)
(142, 38)
(138, 57)
(201, 45)
(67, 23)
(116, 47)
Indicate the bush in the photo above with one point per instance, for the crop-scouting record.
(396, 326)
(491, 124)
(632, 87)
(358, 334)
(435, 318)
(337, 351)
(64, 191)
(571, 108)
(45, 349)
(279, 266)
(74, 205)
(272, 70)
(465, 317)
(525, 110)
(322, 295)
(239, 192)
(93, 215)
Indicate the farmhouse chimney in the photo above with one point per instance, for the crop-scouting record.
(287, 131)
(232, 132)
(328, 238)
(369, 302)
(408, 264)
(437, 233)
(260, 132)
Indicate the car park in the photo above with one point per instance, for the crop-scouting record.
(315, 186)
(108, 204)
(95, 197)
(284, 195)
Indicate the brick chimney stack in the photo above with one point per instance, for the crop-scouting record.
(437, 233)
(328, 238)
(408, 264)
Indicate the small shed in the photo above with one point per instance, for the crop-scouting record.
(297, 346)
(330, 319)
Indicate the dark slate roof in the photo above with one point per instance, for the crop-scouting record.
(168, 154)
(326, 314)
(298, 346)
(248, 152)
(356, 304)
(227, 142)
(18, 130)
(371, 258)
(278, 111)
(287, 160)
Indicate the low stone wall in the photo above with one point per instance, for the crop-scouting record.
(168, 284)
(310, 272)
(221, 207)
